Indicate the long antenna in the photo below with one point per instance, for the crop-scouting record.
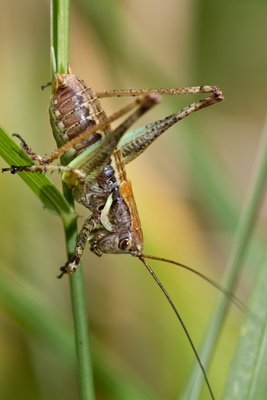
(181, 322)
(235, 300)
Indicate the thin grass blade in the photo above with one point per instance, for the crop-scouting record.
(247, 375)
(44, 189)
(39, 320)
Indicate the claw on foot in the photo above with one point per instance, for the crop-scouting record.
(13, 169)
(20, 138)
(45, 85)
(63, 272)
(68, 268)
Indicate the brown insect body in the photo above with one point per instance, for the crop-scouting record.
(74, 109)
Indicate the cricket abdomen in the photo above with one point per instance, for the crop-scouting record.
(74, 108)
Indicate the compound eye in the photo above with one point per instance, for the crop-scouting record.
(125, 244)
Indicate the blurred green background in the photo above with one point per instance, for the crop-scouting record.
(189, 185)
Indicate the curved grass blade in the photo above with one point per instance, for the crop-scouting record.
(49, 195)
(247, 375)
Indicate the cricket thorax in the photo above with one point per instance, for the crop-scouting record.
(117, 227)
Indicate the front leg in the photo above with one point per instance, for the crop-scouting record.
(71, 265)
(75, 175)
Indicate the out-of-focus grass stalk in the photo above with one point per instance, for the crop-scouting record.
(241, 243)
(60, 17)
(38, 319)
(246, 378)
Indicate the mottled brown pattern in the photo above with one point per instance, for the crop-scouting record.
(126, 192)
(74, 108)
(118, 165)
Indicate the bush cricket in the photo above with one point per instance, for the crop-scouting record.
(96, 157)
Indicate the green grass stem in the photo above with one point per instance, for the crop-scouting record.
(60, 19)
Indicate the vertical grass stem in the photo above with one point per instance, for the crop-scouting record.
(60, 19)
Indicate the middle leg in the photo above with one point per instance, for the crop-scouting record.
(72, 264)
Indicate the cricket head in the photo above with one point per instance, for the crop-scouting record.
(119, 243)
